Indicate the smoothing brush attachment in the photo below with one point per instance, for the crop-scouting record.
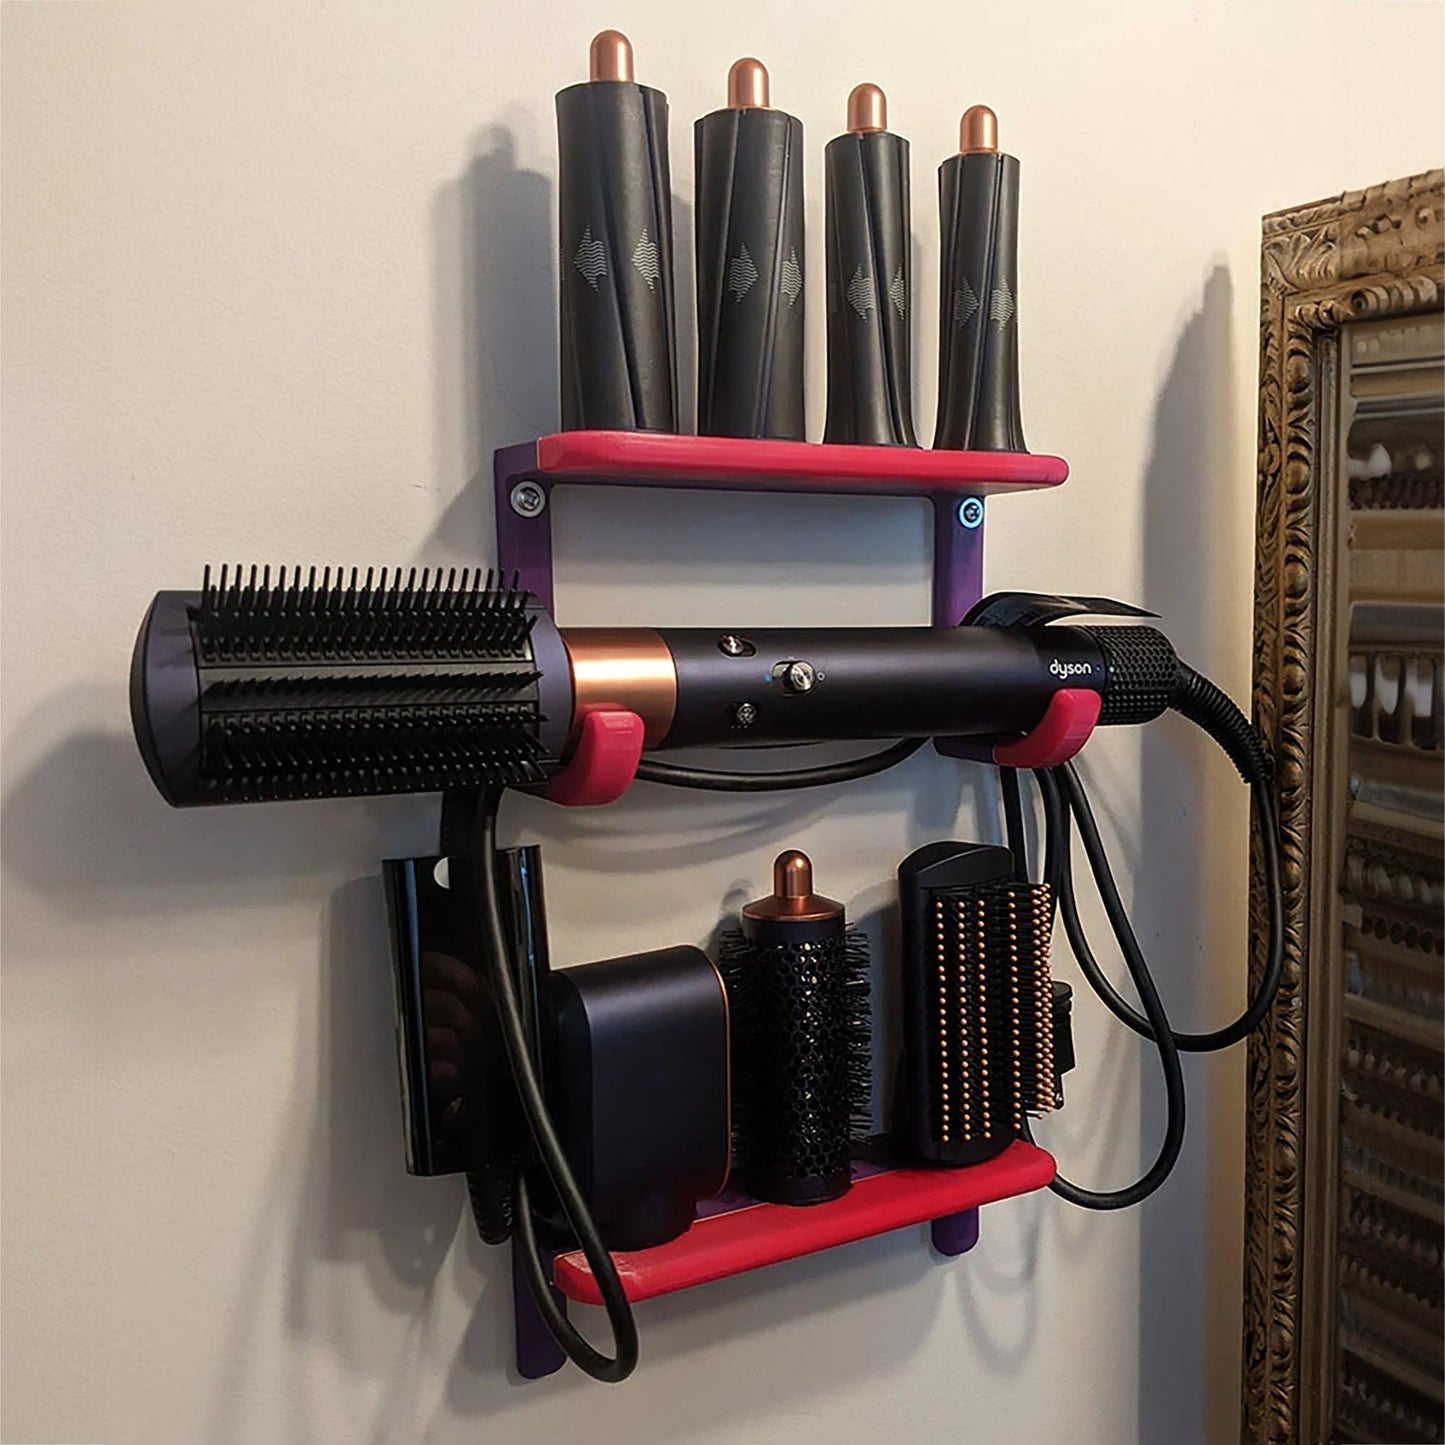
(978, 1002)
(343, 684)
(797, 983)
(994, 1060)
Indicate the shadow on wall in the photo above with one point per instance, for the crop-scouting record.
(495, 325)
(1191, 498)
(339, 1206)
(88, 832)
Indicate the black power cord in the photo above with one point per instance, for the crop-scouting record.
(714, 781)
(1163, 1036)
(1198, 699)
(549, 1147)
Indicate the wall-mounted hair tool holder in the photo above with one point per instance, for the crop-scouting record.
(955, 483)
(734, 1232)
(602, 1107)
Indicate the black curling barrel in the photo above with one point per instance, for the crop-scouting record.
(870, 387)
(749, 170)
(617, 305)
(978, 364)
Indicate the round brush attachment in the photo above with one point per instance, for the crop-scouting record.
(749, 167)
(614, 198)
(797, 984)
(870, 291)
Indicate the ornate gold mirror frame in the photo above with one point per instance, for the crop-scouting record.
(1363, 257)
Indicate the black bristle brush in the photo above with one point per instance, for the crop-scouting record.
(977, 1003)
(798, 995)
(323, 683)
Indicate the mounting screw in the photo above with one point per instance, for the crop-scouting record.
(970, 512)
(528, 499)
(746, 715)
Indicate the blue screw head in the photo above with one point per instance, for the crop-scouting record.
(970, 512)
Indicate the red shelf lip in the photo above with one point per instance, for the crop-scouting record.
(755, 1234)
(663, 459)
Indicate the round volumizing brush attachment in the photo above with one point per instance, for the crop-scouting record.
(797, 983)
(340, 685)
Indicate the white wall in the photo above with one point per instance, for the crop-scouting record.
(277, 278)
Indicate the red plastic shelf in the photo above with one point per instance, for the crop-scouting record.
(660, 459)
(752, 1235)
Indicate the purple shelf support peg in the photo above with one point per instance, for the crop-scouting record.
(538, 1354)
(956, 1234)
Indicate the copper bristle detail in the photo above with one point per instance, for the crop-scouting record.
(610, 56)
(993, 1023)
(748, 85)
(977, 131)
(867, 109)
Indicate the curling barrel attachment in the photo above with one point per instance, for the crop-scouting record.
(870, 286)
(978, 357)
(614, 196)
(749, 167)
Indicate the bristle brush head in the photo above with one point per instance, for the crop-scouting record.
(800, 1016)
(990, 1025)
(330, 682)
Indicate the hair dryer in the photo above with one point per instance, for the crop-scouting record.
(349, 684)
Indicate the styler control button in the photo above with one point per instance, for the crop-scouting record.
(799, 677)
(730, 645)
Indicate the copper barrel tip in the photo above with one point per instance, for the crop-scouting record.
(867, 109)
(978, 130)
(792, 875)
(610, 57)
(748, 85)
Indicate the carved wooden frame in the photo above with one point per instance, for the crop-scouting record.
(1363, 255)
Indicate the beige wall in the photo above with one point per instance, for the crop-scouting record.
(277, 279)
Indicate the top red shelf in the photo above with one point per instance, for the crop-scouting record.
(664, 460)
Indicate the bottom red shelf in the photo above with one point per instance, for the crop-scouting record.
(742, 1234)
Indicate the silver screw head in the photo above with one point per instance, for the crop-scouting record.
(528, 499)
(970, 512)
(746, 715)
